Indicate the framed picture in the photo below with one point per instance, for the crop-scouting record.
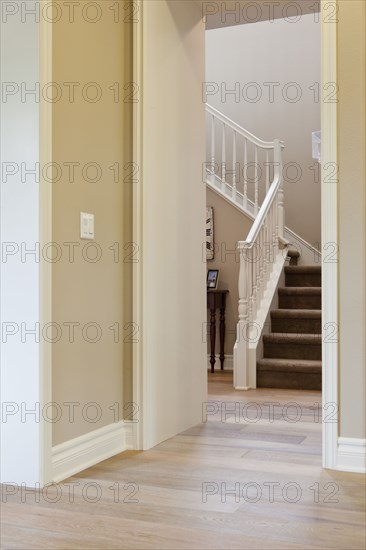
(212, 278)
(209, 233)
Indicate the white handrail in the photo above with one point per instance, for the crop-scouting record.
(226, 120)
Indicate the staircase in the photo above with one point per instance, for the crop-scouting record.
(292, 351)
(247, 173)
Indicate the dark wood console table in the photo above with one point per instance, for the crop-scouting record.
(216, 299)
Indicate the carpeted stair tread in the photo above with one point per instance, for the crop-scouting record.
(300, 290)
(289, 365)
(303, 269)
(300, 297)
(292, 346)
(296, 321)
(296, 314)
(298, 339)
(303, 276)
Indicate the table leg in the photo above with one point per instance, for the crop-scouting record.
(222, 337)
(212, 338)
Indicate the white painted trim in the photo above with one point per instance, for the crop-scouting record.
(228, 363)
(87, 450)
(329, 233)
(45, 236)
(138, 374)
(131, 435)
(329, 222)
(351, 455)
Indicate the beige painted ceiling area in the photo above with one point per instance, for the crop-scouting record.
(218, 13)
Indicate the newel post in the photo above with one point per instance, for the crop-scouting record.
(241, 345)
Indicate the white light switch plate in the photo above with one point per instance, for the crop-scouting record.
(86, 225)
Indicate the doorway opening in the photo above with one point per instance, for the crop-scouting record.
(263, 83)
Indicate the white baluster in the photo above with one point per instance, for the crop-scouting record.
(223, 159)
(270, 236)
(276, 211)
(261, 262)
(266, 250)
(250, 284)
(258, 269)
(213, 176)
(274, 214)
(267, 171)
(256, 183)
(245, 193)
(234, 167)
(254, 282)
(281, 211)
(275, 226)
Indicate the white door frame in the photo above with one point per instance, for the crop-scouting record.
(45, 230)
(138, 374)
(329, 225)
(329, 213)
(329, 210)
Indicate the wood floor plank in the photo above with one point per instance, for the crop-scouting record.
(208, 488)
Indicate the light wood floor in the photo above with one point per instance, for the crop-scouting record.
(208, 487)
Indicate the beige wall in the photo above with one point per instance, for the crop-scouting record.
(352, 213)
(173, 213)
(85, 372)
(85, 292)
(280, 52)
(230, 226)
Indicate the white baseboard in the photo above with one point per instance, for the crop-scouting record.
(228, 363)
(130, 431)
(73, 456)
(351, 455)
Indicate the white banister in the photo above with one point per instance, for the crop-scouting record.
(257, 255)
(247, 151)
(260, 251)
